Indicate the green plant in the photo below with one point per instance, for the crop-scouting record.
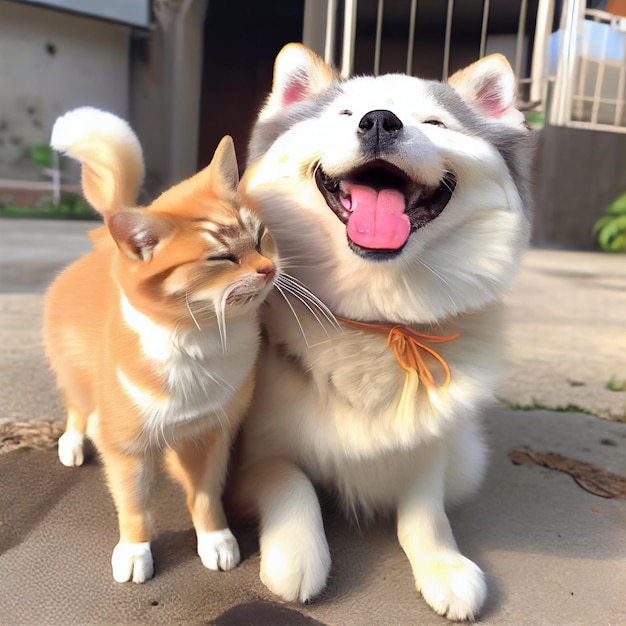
(71, 206)
(616, 385)
(537, 406)
(610, 229)
(42, 155)
(535, 118)
(66, 205)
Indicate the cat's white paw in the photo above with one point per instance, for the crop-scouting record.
(294, 566)
(71, 448)
(218, 549)
(132, 561)
(453, 585)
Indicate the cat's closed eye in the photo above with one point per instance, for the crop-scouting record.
(223, 257)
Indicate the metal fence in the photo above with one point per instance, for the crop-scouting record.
(587, 84)
(570, 60)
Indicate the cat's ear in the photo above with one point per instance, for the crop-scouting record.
(138, 233)
(223, 168)
(109, 152)
(488, 85)
(299, 74)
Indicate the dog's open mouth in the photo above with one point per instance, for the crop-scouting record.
(381, 205)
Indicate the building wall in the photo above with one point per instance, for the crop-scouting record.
(241, 40)
(166, 81)
(50, 62)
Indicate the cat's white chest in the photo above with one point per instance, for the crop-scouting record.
(199, 378)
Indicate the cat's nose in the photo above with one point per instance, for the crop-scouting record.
(267, 269)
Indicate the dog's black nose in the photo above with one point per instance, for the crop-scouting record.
(378, 132)
(380, 122)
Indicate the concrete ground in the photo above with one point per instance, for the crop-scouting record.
(554, 551)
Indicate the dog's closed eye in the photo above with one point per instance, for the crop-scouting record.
(435, 122)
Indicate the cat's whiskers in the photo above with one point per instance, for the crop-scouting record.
(193, 317)
(217, 306)
(205, 311)
(287, 285)
(220, 312)
(287, 262)
(298, 290)
(282, 293)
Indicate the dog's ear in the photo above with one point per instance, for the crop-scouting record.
(110, 155)
(299, 74)
(488, 85)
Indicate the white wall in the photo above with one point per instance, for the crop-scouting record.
(135, 12)
(50, 62)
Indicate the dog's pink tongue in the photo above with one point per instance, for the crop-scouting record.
(377, 218)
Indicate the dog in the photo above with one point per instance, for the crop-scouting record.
(404, 205)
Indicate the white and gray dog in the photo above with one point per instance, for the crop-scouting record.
(403, 205)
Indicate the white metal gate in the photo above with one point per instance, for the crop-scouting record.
(570, 60)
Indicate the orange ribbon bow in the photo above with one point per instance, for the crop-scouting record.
(406, 344)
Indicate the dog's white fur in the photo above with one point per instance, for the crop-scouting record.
(327, 407)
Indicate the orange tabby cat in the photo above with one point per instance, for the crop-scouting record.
(153, 336)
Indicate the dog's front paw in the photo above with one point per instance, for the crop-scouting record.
(295, 567)
(132, 561)
(71, 448)
(218, 549)
(453, 585)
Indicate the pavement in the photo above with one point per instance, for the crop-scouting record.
(553, 547)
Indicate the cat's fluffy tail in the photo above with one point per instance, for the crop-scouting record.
(110, 154)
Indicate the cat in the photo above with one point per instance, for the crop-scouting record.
(153, 336)
(404, 204)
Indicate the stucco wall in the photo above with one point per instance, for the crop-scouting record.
(50, 62)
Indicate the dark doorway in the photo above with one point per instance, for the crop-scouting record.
(241, 40)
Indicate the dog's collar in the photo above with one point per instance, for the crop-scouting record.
(407, 345)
